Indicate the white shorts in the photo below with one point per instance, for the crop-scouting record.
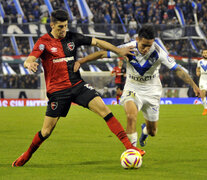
(203, 85)
(147, 99)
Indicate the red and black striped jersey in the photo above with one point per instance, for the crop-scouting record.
(119, 74)
(58, 57)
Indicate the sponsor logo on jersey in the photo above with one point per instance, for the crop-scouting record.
(53, 49)
(41, 47)
(71, 46)
(63, 59)
(54, 105)
(170, 60)
(142, 79)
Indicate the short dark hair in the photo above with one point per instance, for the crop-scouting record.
(59, 15)
(147, 32)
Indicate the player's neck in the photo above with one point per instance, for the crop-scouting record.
(54, 35)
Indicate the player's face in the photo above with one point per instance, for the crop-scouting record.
(59, 29)
(120, 63)
(144, 45)
(204, 54)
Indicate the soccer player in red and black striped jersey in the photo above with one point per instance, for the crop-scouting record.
(57, 50)
(120, 77)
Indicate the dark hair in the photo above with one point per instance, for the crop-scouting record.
(147, 32)
(59, 15)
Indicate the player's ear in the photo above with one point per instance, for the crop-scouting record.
(137, 39)
(52, 25)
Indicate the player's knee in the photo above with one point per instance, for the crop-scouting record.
(46, 132)
(131, 117)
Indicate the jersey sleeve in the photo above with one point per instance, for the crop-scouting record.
(38, 49)
(83, 40)
(198, 64)
(167, 60)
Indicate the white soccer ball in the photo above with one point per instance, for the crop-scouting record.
(130, 159)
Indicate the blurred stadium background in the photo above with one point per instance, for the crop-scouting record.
(181, 29)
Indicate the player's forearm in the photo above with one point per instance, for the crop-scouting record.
(185, 77)
(107, 46)
(93, 56)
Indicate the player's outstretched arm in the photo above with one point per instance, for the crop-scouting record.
(30, 63)
(108, 46)
(187, 79)
(91, 57)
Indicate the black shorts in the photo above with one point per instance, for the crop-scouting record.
(60, 101)
(120, 86)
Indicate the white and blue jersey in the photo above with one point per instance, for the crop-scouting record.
(144, 69)
(143, 85)
(202, 64)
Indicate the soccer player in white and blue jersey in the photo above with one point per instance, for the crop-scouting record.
(143, 88)
(201, 71)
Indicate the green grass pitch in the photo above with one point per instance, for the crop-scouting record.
(82, 147)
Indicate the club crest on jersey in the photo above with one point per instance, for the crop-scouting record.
(41, 47)
(71, 46)
(153, 57)
(170, 59)
(54, 105)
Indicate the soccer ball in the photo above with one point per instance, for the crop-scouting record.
(130, 159)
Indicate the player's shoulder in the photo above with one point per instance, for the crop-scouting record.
(200, 61)
(161, 52)
(69, 33)
(72, 34)
(44, 38)
(132, 43)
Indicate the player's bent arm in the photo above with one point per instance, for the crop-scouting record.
(198, 72)
(30, 63)
(108, 46)
(90, 57)
(93, 56)
(184, 76)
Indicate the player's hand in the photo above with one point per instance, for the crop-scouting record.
(201, 94)
(76, 66)
(126, 51)
(32, 66)
(198, 92)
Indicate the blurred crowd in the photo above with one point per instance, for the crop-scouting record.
(132, 12)
(20, 81)
(106, 12)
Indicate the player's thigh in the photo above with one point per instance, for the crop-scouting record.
(130, 108)
(58, 106)
(98, 106)
(84, 93)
